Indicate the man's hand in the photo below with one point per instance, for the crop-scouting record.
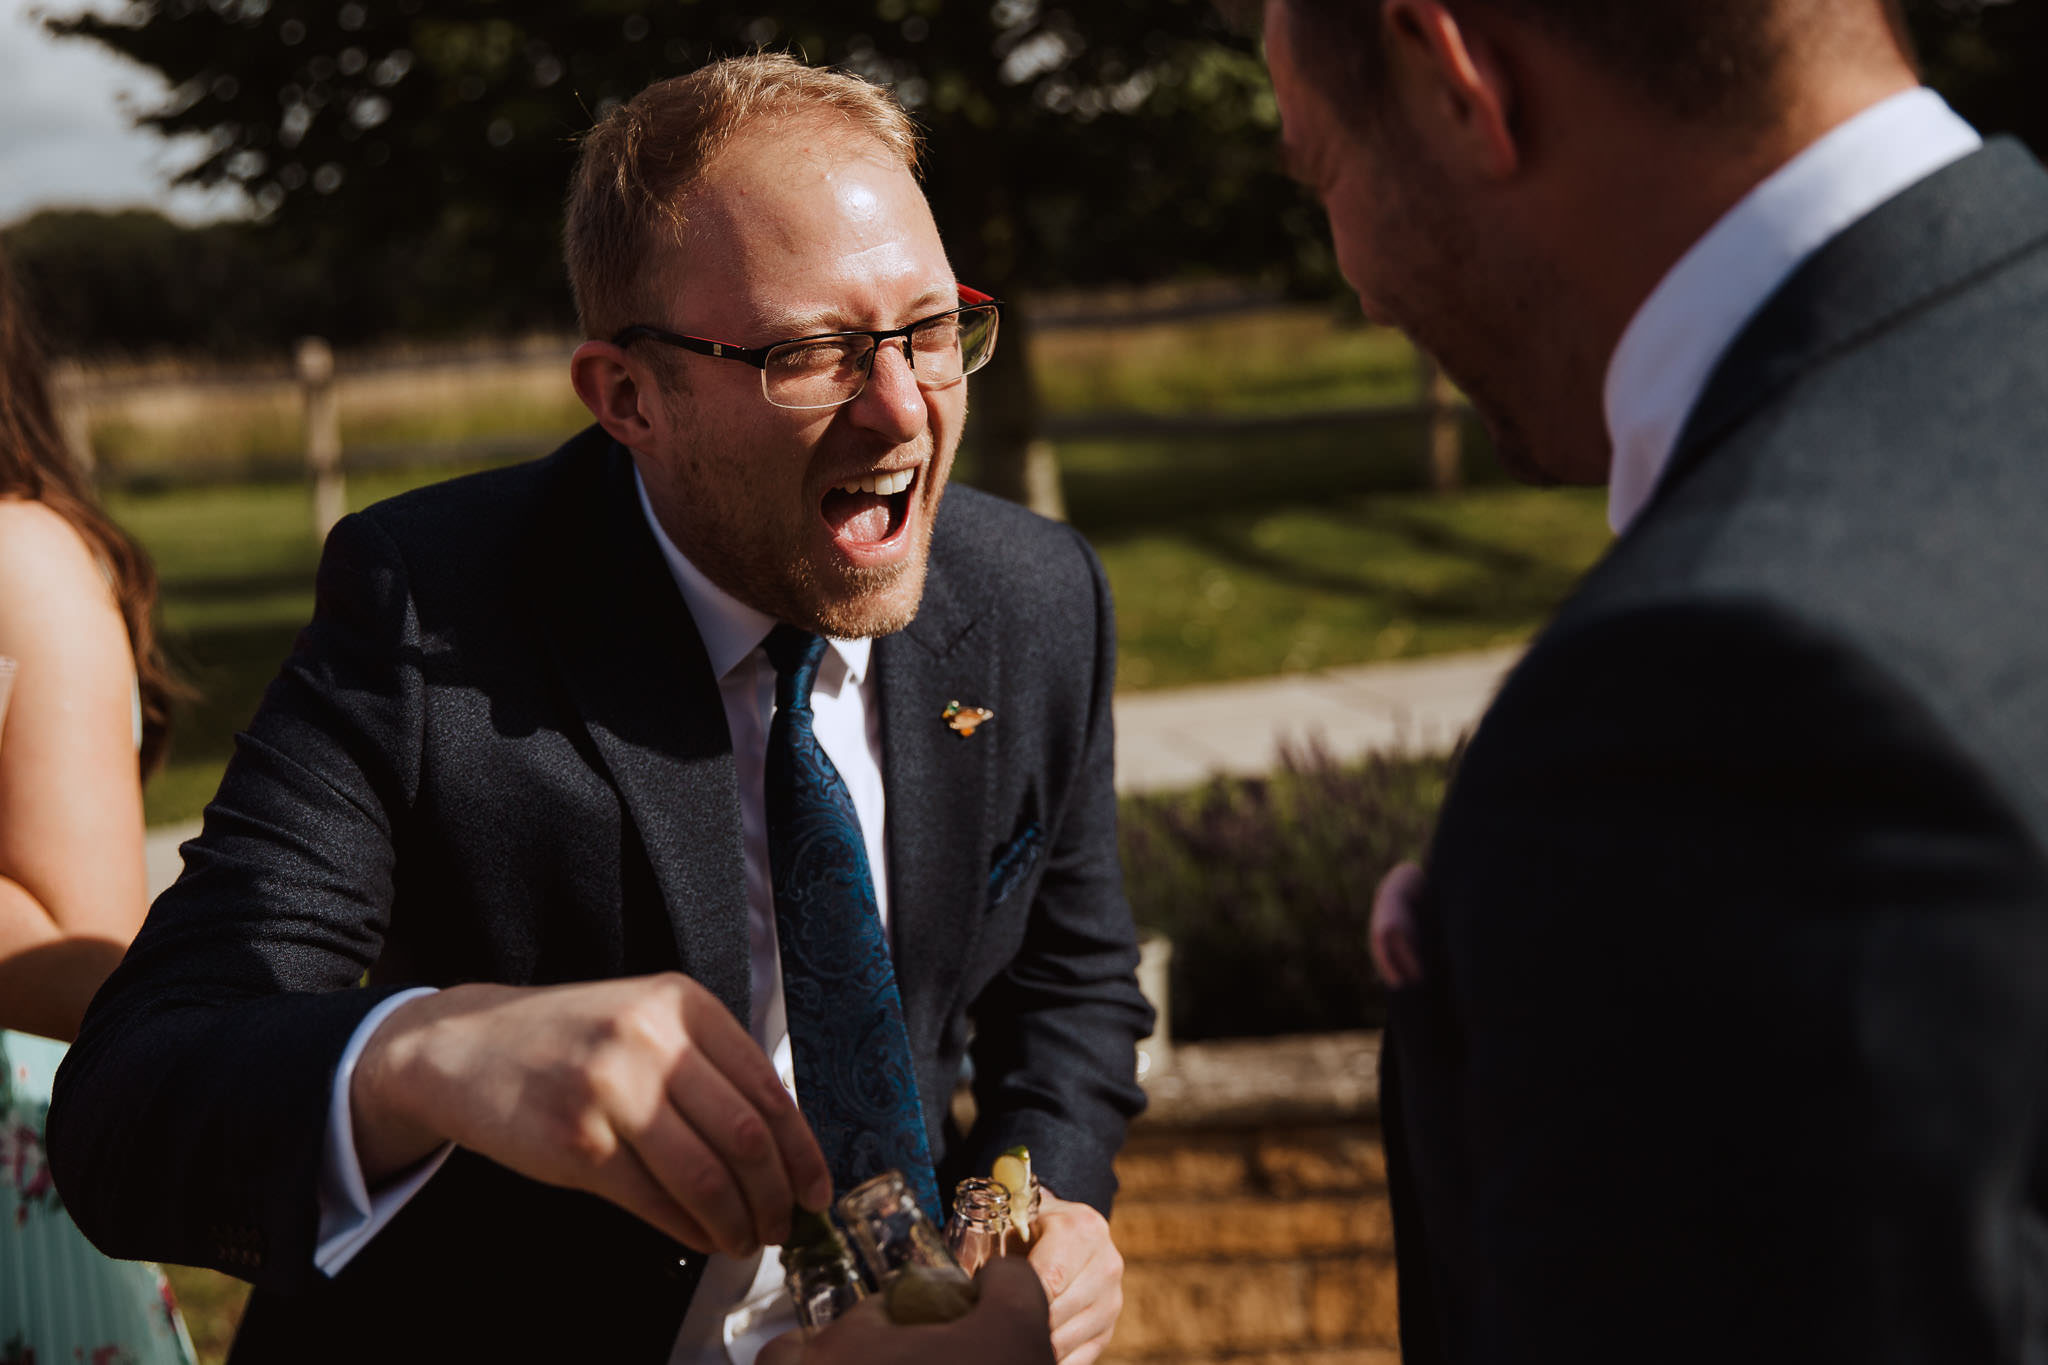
(1083, 1274)
(645, 1091)
(1007, 1327)
(1392, 934)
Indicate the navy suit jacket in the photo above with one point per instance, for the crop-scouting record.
(498, 754)
(1733, 1038)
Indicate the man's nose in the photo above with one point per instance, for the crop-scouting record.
(892, 404)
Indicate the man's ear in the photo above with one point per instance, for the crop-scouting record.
(620, 393)
(1454, 88)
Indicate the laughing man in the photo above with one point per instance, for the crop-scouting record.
(610, 801)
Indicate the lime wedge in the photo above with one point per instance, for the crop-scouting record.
(1012, 1171)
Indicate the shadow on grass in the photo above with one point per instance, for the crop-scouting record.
(207, 589)
(229, 667)
(1130, 487)
(1509, 584)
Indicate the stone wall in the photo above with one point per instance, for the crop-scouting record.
(1253, 1211)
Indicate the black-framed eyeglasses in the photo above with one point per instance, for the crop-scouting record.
(832, 368)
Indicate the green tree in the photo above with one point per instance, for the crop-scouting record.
(1123, 140)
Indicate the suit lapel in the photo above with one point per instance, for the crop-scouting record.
(1958, 224)
(637, 671)
(939, 786)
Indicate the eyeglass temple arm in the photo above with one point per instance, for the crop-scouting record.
(724, 350)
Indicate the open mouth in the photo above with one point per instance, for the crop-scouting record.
(869, 512)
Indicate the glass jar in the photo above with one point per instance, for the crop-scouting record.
(890, 1231)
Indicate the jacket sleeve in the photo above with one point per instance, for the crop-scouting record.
(1057, 1032)
(187, 1120)
(1732, 1026)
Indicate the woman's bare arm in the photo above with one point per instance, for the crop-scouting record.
(72, 885)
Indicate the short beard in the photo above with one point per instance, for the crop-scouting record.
(857, 614)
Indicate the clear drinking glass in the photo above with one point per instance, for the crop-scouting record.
(981, 1223)
(890, 1231)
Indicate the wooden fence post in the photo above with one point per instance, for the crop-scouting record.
(1442, 426)
(323, 433)
(74, 422)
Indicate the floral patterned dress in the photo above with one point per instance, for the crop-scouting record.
(61, 1302)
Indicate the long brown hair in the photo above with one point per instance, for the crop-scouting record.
(35, 464)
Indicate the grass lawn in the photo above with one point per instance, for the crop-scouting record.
(1228, 560)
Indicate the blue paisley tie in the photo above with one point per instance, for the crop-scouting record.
(854, 1074)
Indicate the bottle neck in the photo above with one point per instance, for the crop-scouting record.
(982, 1205)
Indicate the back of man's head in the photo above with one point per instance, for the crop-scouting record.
(641, 161)
(1714, 61)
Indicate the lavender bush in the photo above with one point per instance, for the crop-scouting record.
(1265, 884)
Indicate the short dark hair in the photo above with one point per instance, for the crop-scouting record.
(1695, 59)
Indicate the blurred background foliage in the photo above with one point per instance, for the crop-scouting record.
(405, 161)
(425, 147)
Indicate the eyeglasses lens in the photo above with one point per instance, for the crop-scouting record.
(834, 370)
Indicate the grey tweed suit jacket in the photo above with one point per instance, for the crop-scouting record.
(1733, 1043)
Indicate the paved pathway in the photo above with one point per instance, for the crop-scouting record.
(1178, 737)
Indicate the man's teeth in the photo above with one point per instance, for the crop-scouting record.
(886, 484)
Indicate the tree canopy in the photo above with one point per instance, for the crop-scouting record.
(1126, 140)
(408, 160)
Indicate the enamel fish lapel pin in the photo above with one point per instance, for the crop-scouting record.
(965, 720)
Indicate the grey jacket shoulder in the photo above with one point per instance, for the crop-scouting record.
(1889, 491)
(1002, 552)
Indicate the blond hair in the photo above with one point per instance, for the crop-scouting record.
(641, 160)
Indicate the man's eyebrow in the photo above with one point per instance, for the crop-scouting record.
(825, 321)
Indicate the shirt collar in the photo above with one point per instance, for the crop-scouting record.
(730, 628)
(1679, 334)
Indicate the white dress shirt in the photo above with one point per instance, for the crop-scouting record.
(1678, 336)
(739, 1304)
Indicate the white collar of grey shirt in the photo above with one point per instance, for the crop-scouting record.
(1670, 348)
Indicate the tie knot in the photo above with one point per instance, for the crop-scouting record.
(795, 654)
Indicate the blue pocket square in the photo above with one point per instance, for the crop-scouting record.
(1014, 863)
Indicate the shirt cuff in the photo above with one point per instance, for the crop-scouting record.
(349, 1214)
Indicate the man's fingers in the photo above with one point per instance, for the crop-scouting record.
(1083, 1336)
(1082, 1272)
(739, 1133)
(747, 1069)
(1392, 935)
(1088, 1307)
(697, 1179)
(623, 1180)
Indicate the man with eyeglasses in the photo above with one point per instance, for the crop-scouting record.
(609, 800)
